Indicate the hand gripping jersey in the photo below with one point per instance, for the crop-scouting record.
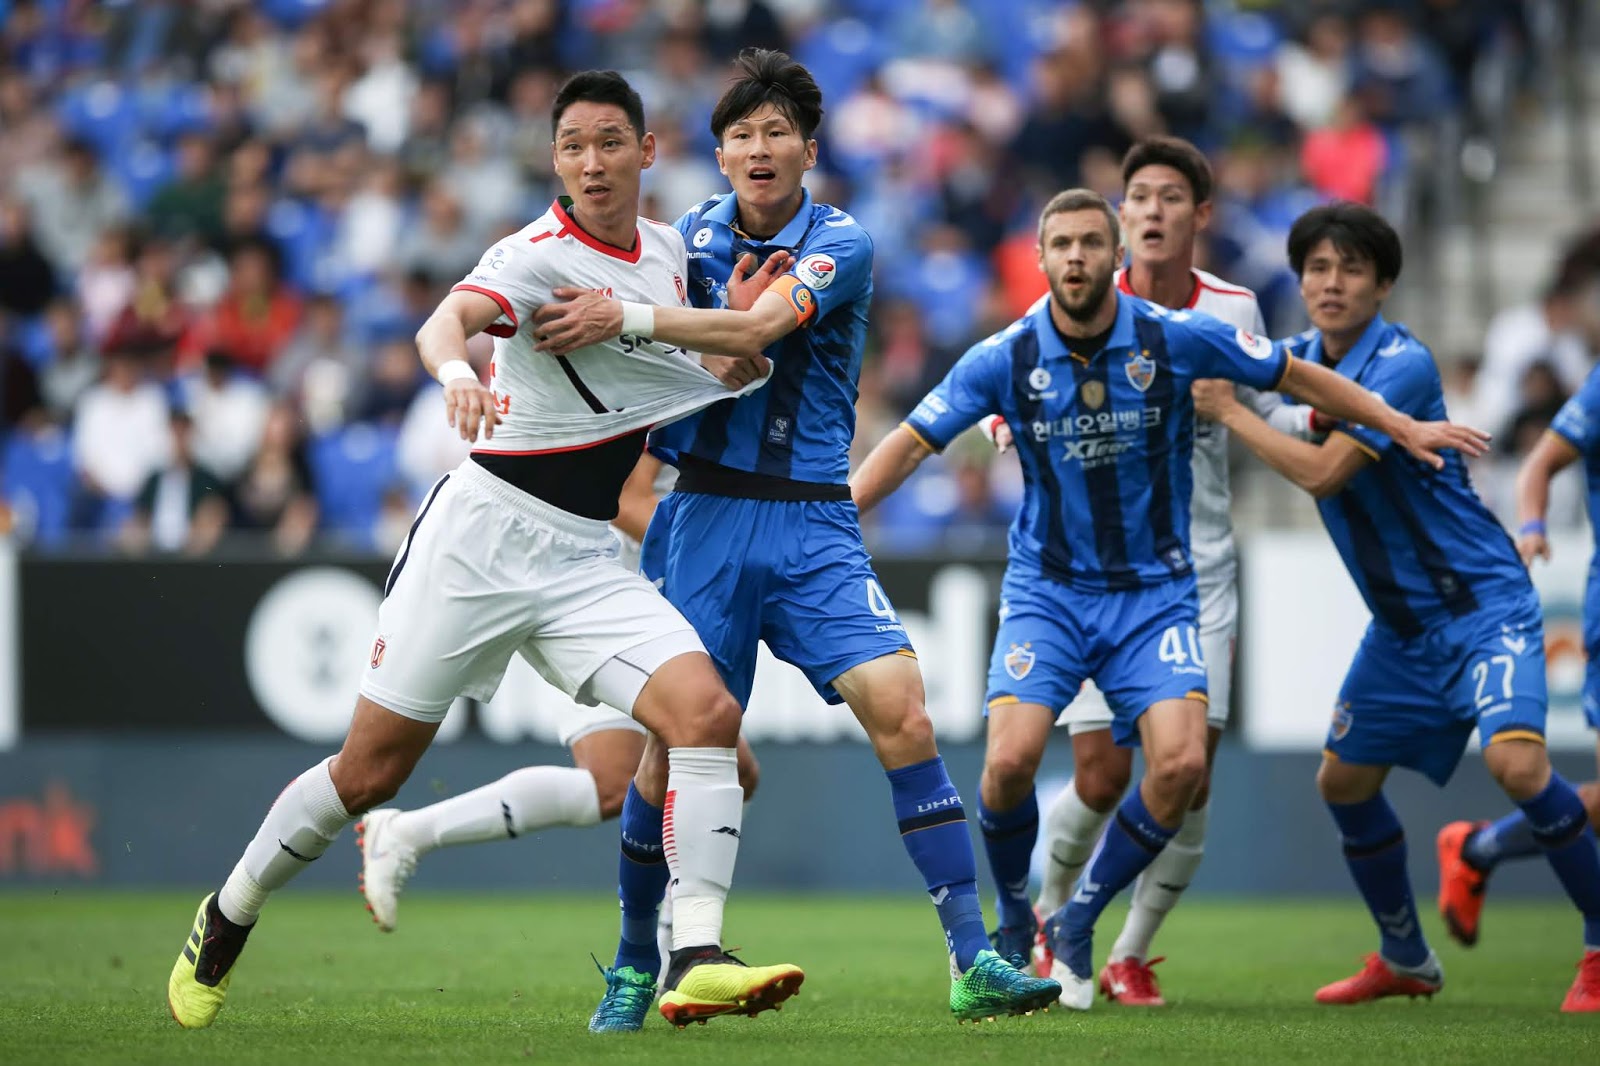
(603, 391)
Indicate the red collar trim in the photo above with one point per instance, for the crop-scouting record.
(569, 228)
(1124, 286)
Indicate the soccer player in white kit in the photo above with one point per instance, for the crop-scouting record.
(607, 747)
(510, 553)
(1167, 201)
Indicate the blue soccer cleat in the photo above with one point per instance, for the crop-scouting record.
(622, 1009)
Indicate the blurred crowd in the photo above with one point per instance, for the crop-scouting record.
(221, 222)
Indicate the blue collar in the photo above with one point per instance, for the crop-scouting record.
(1359, 355)
(726, 211)
(1052, 345)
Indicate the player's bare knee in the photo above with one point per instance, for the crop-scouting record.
(1101, 783)
(749, 777)
(1520, 767)
(1590, 794)
(611, 786)
(711, 720)
(367, 783)
(1180, 773)
(1008, 776)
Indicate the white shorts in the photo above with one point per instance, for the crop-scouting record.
(488, 571)
(1219, 624)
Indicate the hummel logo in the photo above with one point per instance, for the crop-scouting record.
(1393, 348)
(1087, 890)
(1516, 645)
(940, 896)
(1397, 924)
(728, 830)
(511, 825)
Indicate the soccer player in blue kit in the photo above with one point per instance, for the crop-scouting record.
(1456, 640)
(1100, 583)
(760, 540)
(1469, 851)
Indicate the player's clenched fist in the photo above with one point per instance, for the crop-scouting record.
(736, 371)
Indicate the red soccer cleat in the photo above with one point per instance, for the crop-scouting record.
(1043, 957)
(1584, 995)
(1461, 886)
(1131, 983)
(1375, 981)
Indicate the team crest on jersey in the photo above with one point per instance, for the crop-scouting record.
(702, 236)
(817, 271)
(1038, 379)
(677, 283)
(1141, 371)
(1254, 345)
(1342, 720)
(1019, 661)
(378, 647)
(1094, 394)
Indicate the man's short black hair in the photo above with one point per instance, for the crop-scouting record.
(1174, 152)
(1354, 229)
(598, 87)
(762, 77)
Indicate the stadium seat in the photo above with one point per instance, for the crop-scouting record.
(352, 468)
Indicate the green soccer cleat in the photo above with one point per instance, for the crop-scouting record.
(199, 980)
(622, 1009)
(992, 987)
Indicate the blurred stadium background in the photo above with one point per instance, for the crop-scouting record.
(238, 213)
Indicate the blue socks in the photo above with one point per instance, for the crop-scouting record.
(1509, 838)
(1375, 851)
(933, 827)
(1132, 840)
(1561, 826)
(1008, 838)
(641, 883)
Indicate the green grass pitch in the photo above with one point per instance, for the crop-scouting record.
(500, 979)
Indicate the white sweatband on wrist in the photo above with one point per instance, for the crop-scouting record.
(455, 370)
(638, 320)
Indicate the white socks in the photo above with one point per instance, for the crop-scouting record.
(1159, 886)
(523, 801)
(297, 830)
(1071, 830)
(700, 836)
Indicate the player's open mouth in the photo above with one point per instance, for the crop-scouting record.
(1152, 236)
(762, 175)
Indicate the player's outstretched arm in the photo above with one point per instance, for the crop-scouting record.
(886, 467)
(442, 344)
(1321, 470)
(1342, 398)
(1549, 457)
(580, 317)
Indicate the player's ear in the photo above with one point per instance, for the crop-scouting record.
(811, 153)
(721, 166)
(647, 148)
(1038, 251)
(1202, 215)
(1383, 290)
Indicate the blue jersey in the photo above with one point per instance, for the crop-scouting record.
(800, 425)
(1105, 438)
(1578, 423)
(1421, 546)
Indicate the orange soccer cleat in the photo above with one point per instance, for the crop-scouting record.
(1376, 980)
(1461, 885)
(1584, 995)
(1132, 983)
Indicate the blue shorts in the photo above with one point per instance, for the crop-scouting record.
(1141, 646)
(1414, 703)
(794, 574)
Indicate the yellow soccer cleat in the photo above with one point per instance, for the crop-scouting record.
(713, 984)
(199, 981)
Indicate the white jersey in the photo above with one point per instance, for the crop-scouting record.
(1211, 503)
(607, 389)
